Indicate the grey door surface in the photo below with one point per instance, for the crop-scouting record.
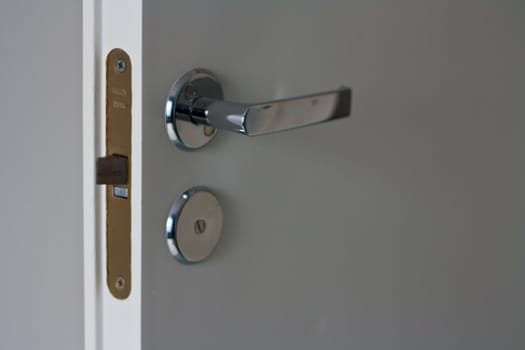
(401, 227)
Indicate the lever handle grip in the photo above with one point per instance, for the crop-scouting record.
(274, 116)
(197, 98)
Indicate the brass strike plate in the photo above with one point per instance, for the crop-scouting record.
(118, 159)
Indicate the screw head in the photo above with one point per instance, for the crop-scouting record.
(120, 283)
(120, 65)
(200, 226)
(208, 131)
(189, 93)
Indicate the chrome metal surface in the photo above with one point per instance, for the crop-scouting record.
(198, 107)
(121, 192)
(186, 134)
(194, 225)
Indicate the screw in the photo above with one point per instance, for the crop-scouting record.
(208, 131)
(199, 226)
(120, 282)
(120, 65)
(189, 93)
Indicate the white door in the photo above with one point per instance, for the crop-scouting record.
(401, 227)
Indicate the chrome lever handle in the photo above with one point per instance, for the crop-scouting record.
(195, 108)
(269, 117)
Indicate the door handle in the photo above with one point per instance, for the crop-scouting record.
(195, 108)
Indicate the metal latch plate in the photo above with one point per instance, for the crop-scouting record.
(118, 175)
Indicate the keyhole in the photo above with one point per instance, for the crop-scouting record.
(199, 226)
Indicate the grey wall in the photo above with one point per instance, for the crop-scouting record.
(40, 175)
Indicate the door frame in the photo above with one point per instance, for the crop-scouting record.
(109, 323)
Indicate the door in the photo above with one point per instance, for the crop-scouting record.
(400, 227)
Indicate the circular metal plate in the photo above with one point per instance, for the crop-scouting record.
(195, 83)
(194, 225)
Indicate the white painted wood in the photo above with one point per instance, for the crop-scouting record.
(92, 298)
(110, 323)
(121, 27)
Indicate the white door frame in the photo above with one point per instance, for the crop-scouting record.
(109, 323)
